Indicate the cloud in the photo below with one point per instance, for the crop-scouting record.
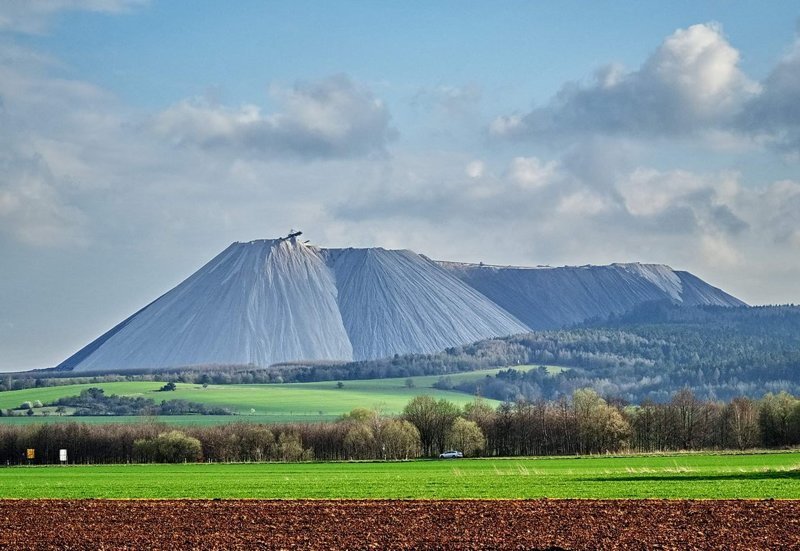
(778, 205)
(32, 210)
(691, 85)
(33, 16)
(475, 169)
(691, 81)
(531, 173)
(584, 203)
(330, 118)
(647, 192)
(448, 101)
(774, 115)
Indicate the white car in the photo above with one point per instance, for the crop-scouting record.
(452, 454)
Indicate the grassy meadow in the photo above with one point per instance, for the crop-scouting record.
(262, 403)
(695, 476)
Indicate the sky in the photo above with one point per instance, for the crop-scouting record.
(139, 138)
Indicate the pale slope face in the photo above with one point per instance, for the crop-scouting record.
(696, 292)
(547, 298)
(258, 303)
(396, 302)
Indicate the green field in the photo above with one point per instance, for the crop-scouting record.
(747, 476)
(259, 403)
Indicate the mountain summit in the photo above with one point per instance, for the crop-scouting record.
(280, 300)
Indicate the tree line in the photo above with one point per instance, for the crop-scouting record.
(584, 423)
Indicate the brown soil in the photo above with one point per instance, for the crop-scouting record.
(537, 524)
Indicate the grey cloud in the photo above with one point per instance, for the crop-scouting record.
(774, 115)
(32, 209)
(778, 206)
(725, 220)
(330, 118)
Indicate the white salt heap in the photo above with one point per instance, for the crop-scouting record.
(272, 301)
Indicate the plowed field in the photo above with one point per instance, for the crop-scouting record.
(536, 524)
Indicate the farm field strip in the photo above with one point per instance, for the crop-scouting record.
(172, 420)
(691, 476)
(318, 401)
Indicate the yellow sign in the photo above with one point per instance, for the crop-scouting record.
(31, 453)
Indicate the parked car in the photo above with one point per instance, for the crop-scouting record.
(452, 454)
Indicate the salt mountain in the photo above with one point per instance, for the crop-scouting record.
(271, 301)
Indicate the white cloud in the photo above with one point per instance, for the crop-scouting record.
(691, 85)
(647, 191)
(531, 172)
(680, 200)
(692, 80)
(507, 125)
(717, 250)
(584, 203)
(332, 117)
(701, 69)
(475, 169)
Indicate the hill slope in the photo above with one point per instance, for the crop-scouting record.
(548, 298)
(255, 303)
(396, 301)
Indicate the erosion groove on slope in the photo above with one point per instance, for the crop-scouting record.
(394, 302)
(255, 303)
(548, 298)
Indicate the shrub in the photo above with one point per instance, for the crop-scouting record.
(168, 447)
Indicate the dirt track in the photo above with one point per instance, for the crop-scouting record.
(538, 524)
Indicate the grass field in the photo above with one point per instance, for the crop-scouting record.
(769, 475)
(272, 403)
